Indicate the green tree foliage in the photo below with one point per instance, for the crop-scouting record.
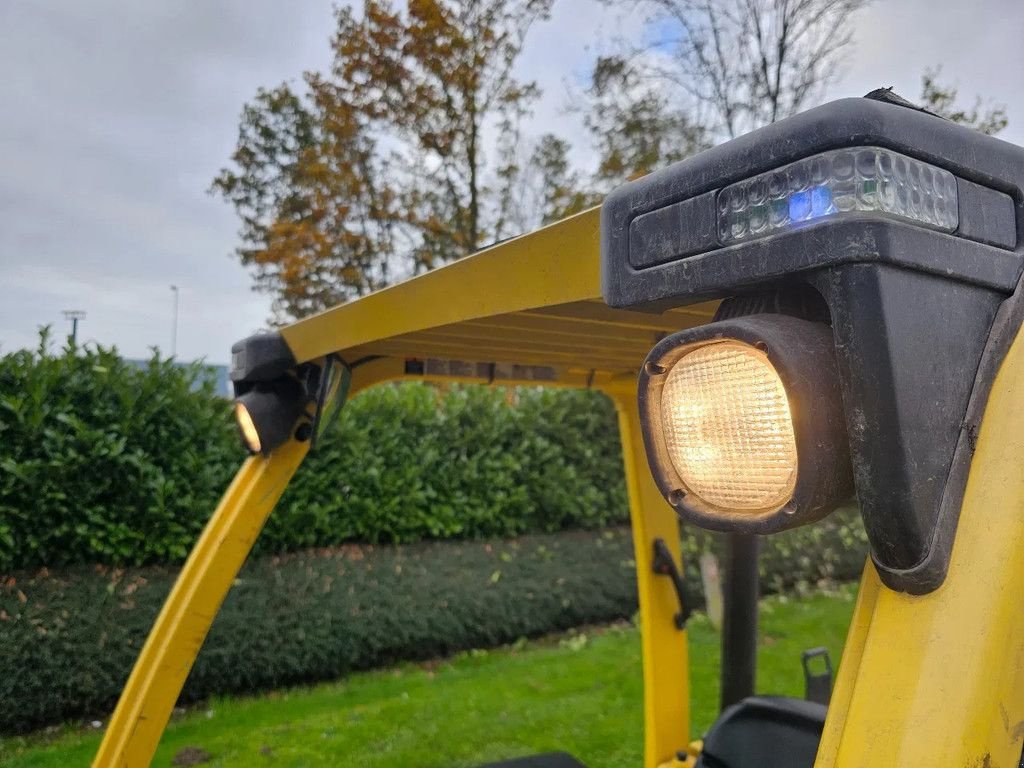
(941, 99)
(101, 460)
(317, 224)
(561, 187)
(635, 123)
(380, 168)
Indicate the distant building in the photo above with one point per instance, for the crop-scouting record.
(218, 374)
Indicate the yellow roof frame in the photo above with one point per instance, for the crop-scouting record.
(533, 301)
(925, 679)
(525, 311)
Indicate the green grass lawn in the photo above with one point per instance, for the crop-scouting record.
(581, 693)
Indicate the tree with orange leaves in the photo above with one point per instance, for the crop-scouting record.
(400, 158)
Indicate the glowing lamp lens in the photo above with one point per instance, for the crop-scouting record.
(728, 428)
(247, 427)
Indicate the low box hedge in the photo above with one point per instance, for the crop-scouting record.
(68, 637)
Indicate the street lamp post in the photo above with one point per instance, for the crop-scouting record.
(74, 315)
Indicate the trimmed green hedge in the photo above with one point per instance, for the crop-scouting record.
(68, 639)
(410, 462)
(105, 462)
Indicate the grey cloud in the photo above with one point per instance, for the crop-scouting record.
(117, 116)
(114, 117)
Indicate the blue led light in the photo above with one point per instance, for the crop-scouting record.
(821, 202)
(810, 204)
(838, 183)
(799, 206)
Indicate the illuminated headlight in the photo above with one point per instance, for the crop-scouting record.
(728, 429)
(838, 183)
(267, 413)
(247, 428)
(743, 423)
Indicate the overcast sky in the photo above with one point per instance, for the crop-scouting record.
(115, 116)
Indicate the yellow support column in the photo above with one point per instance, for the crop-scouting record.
(171, 648)
(174, 641)
(665, 659)
(938, 679)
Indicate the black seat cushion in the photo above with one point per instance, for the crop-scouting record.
(765, 732)
(548, 760)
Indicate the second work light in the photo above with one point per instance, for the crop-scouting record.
(744, 425)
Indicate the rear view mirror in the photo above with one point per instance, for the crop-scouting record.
(332, 392)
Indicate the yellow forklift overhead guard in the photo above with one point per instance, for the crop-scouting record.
(860, 266)
(527, 311)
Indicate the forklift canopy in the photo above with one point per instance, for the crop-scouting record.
(531, 305)
(525, 311)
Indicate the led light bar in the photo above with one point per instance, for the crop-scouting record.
(838, 183)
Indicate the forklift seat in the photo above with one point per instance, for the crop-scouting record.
(765, 732)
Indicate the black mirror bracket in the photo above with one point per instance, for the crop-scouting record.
(663, 565)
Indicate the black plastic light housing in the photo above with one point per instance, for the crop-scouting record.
(269, 397)
(274, 394)
(802, 356)
(268, 413)
(916, 266)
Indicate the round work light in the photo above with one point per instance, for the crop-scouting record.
(743, 423)
(268, 411)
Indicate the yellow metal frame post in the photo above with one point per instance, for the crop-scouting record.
(938, 679)
(666, 665)
(174, 641)
(171, 648)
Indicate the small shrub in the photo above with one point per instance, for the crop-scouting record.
(70, 637)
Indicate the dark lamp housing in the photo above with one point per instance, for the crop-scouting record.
(273, 392)
(268, 411)
(910, 229)
(743, 423)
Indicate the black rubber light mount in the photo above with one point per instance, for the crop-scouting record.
(777, 360)
(904, 226)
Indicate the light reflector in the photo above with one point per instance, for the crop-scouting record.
(728, 428)
(837, 183)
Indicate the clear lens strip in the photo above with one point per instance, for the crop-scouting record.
(835, 183)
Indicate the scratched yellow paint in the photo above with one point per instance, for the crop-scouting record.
(938, 679)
